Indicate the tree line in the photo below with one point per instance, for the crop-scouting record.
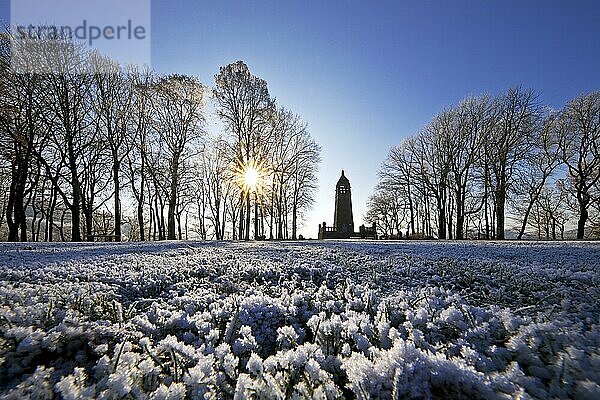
(492, 165)
(101, 150)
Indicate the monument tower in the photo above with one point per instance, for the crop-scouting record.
(343, 219)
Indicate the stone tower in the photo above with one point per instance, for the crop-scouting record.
(343, 219)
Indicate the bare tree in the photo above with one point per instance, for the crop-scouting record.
(244, 105)
(509, 143)
(69, 117)
(20, 119)
(95, 178)
(397, 175)
(136, 158)
(466, 144)
(580, 145)
(90, 132)
(435, 162)
(387, 210)
(306, 158)
(113, 104)
(216, 172)
(177, 103)
(541, 163)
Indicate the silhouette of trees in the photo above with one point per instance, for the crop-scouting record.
(113, 106)
(277, 143)
(541, 163)
(89, 149)
(177, 104)
(580, 145)
(245, 106)
(490, 160)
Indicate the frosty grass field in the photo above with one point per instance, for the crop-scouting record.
(300, 320)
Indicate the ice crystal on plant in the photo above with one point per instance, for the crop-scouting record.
(313, 320)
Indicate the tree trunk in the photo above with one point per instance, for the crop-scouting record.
(256, 232)
(500, 200)
(224, 218)
(186, 226)
(583, 216)
(241, 222)
(13, 226)
(179, 232)
(23, 225)
(450, 214)
(140, 208)
(76, 187)
(460, 213)
(441, 216)
(158, 232)
(272, 208)
(486, 203)
(117, 205)
(152, 223)
(500, 217)
(280, 212)
(161, 226)
(87, 211)
(247, 237)
(50, 217)
(526, 218)
(294, 219)
(171, 212)
(411, 209)
(15, 211)
(34, 220)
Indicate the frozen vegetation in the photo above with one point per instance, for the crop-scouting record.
(300, 320)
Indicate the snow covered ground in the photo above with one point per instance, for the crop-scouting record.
(300, 320)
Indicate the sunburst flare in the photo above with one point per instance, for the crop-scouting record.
(251, 177)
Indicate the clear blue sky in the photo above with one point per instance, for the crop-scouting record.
(363, 75)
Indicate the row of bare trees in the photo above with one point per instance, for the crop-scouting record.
(492, 165)
(276, 143)
(97, 150)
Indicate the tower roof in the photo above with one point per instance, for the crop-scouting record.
(343, 180)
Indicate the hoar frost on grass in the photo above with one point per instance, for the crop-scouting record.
(300, 320)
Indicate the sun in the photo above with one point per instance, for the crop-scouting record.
(250, 177)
